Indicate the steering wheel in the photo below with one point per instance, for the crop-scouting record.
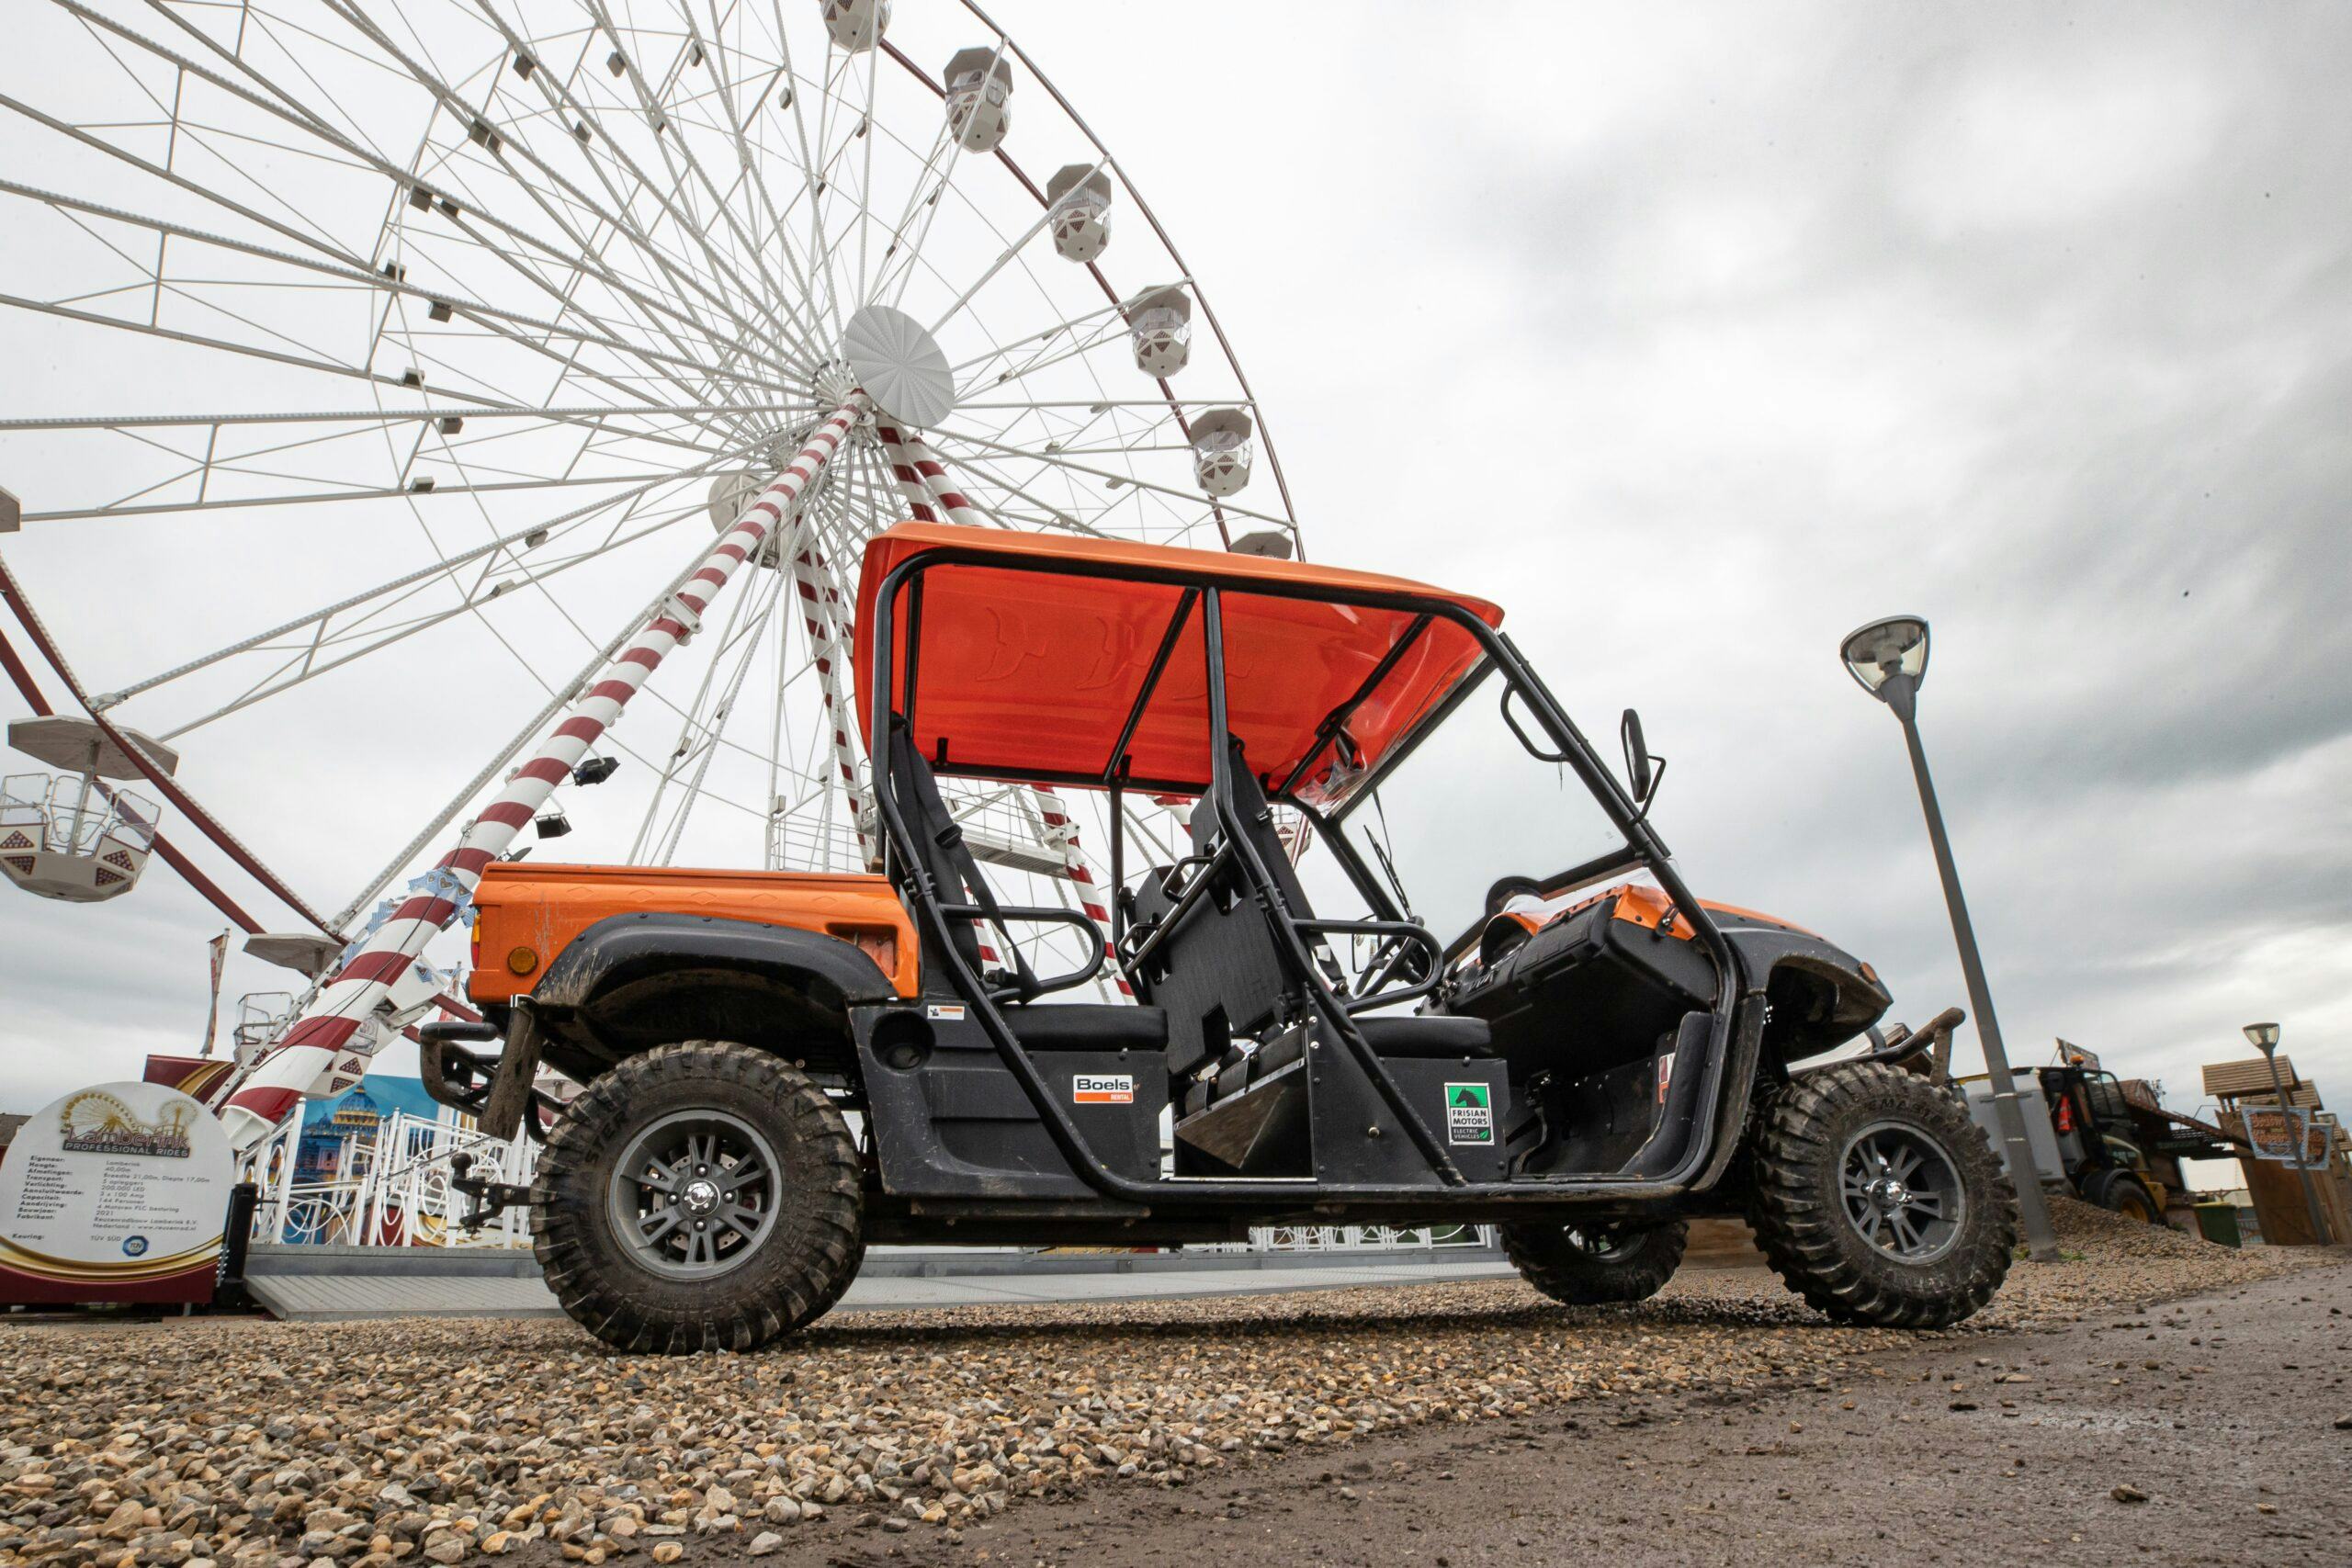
(1506, 888)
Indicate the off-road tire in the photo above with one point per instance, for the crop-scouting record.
(2121, 1193)
(799, 1266)
(1799, 1138)
(1640, 1262)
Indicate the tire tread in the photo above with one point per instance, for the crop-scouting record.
(568, 1199)
(1808, 1241)
(1547, 1260)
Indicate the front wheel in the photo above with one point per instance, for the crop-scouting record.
(703, 1196)
(1594, 1264)
(2125, 1194)
(1878, 1200)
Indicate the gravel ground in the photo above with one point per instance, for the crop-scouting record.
(255, 1445)
(2212, 1430)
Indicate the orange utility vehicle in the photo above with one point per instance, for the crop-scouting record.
(1416, 955)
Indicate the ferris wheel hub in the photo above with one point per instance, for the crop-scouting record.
(831, 384)
(900, 366)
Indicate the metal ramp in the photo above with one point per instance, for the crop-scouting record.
(345, 1284)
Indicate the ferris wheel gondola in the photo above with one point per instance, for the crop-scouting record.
(405, 360)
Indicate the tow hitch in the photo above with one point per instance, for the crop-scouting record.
(485, 1199)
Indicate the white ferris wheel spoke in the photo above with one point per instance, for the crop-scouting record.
(655, 107)
(699, 724)
(630, 501)
(346, 259)
(558, 698)
(462, 220)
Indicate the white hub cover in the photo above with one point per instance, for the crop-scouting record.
(900, 366)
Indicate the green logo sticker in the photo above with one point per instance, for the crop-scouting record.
(1469, 1113)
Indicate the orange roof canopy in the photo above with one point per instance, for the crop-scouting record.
(1025, 672)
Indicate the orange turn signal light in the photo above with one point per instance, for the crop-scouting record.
(522, 961)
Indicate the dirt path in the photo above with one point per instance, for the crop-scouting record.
(2221, 1411)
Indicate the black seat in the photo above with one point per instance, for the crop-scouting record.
(1088, 1026)
(1220, 971)
(1222, 975)
(1051, 1026)
(1424, 1036)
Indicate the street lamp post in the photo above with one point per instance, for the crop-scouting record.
(1889, 659)
(2265, 1037)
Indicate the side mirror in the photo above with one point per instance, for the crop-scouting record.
(1640, 774)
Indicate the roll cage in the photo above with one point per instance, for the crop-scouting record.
(892, 617)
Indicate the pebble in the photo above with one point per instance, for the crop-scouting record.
(233, 1443)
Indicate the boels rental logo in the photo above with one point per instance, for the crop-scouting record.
(1102, 1088)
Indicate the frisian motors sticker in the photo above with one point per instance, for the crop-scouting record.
(1469, 1113)
(1102, 1088)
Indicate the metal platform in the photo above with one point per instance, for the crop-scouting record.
(345, 1298)
(340, 1284)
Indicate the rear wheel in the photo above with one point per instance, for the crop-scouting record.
(703, 1196)
(1878, 1200)
(2125, 1194)
(1593, 1263)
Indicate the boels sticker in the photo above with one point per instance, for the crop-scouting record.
(1469, 1113)
(1102, 1088)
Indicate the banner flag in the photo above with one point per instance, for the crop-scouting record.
(220, 946)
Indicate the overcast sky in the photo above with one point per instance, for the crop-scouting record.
(1698, 335)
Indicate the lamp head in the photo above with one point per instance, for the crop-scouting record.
(1876, 653)
(2265, 1036)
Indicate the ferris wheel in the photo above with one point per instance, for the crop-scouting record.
(382, 375)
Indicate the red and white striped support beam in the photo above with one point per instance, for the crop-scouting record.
(827, 620)
(924, 479)
(332, 1030)
(1064, 829)
(902, 470)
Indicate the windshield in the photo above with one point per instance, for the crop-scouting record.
(1470, 806)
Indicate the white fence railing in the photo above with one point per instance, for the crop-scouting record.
(389, 1186)
(1358, 1238)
